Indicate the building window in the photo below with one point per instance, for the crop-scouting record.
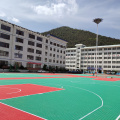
(45, 53)
(31, 43)
(50, 54)
(54, 44)
(105, 53)
(30, 57)
(113, 57)
(100, 49)
(54, 49)
(105, 48)
(37, 66)
(18, 64)
(113, 66)
(31, 36)
(38, 58)
(46, 41)
(4, 53)
(2, 63)
(38, 52)
(57, 50)
(62, 47)
(17, 55)
(100, 53)
(4, 27)
(5, 45)
(29, 65)
(53, 55)
(45, 59)
(50, 48)
(4, 36)
(19, 32)
(114, 48)
(105, 61)
(113, 61)
(50, 60)
(39, 39)
(39, 45)
(17, 47)
(20, 40)
(46, 47)
(51, 43)
(109, 48)
(30, 50)
(118, 48)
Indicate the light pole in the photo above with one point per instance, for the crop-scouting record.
(97, 21)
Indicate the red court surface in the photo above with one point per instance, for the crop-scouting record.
(96, 78)
(10, 113)
(72, 75)
(49, 74)
(107, 79)
(27, 78)
(11, 91)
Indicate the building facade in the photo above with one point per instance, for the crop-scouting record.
(84, 58)
(28, 48)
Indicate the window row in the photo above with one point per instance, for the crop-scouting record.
(5, 45)
(4, 53)
(112, 66)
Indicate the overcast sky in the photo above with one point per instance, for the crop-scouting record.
(44, 15)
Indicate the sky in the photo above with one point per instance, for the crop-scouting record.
(44, 15)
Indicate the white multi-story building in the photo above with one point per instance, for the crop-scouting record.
(30, 49)
(84, 58)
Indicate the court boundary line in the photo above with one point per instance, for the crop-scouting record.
(12, 88)
(94, 109)
(101, 84)
(118, 118)
(90, 92)
(22, 110)
(15, 92)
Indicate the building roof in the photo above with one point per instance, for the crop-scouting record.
(56, 37)
(22, 27)
(104, 46)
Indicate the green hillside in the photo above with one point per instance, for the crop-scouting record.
(75, 36)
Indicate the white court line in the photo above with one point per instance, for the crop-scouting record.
(92, 93)
(23, 111)
(118, 118)
(19, 90)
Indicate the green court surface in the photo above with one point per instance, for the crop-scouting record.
(81, 98)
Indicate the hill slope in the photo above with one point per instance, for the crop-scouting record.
(75, 36)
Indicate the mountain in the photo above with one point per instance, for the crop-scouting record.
(75, 36)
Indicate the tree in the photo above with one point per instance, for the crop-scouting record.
(45, 67)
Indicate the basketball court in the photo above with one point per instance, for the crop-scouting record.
(47, 96)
